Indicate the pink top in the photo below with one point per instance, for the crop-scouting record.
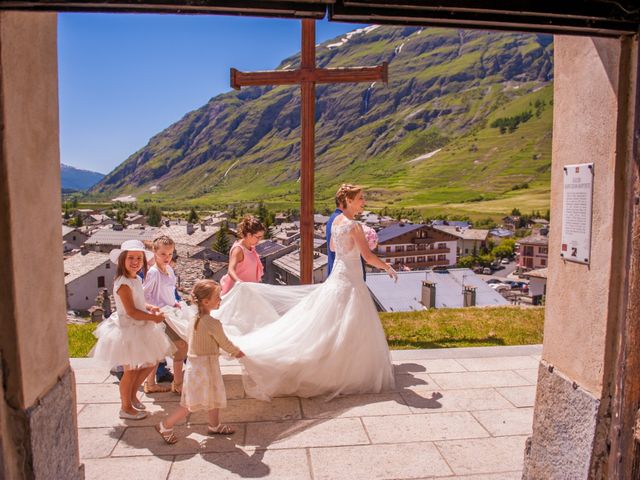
(250, 269)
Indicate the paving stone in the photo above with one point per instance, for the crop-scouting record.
(411, 380)
(498, 363)
(355, 406)
(378, 462)
(193, 439)
(98, 442)
(106, 415)
(530, 374)
(423, 428)
(450, 381)
(233, 386)
(306, 433)
(517, 475)
(443, 365)
(519, 396)
(514, 421)
(280, 464)
(91, 375)
(134, 468)
(484, 455)
(251, 410)
(434, 401)
(97, 393)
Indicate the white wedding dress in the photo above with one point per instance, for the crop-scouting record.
(310, 340)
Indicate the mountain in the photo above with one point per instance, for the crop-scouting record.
(77, 179)
(466, 117)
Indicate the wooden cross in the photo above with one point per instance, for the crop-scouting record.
(307, 76)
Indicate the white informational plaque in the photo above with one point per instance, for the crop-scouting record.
(576, 213)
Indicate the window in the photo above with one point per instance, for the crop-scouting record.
(107, 265)
(100, 282)
(543, 262)
(411, 259)
(466, 251)
(442, 245)
(527, 251)
(399, 248)
(410, 248)
(431, 258)
(543, 250)
(422, 246)
(420, 259)
(388, 249)
(442, 257)
(74, 238)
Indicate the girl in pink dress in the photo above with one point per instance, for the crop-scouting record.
(244, 261)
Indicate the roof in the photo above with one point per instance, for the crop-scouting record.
(318, 218)
(405, 294)
(267, 247)
(79, 265)
(501, 232)
(464, 233)
(108, 236)
(178, 233)
(539, 273)
(319, 242)
(396, 230)
(66, 230)
(450, 223)
(291, 262)
(534, 240)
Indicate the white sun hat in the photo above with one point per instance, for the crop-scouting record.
(129, 246)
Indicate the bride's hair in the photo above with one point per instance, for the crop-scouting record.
(345, 191)
(250, 225)
(202, 290)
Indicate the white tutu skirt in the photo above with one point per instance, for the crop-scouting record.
(136, 345)
(203, 387)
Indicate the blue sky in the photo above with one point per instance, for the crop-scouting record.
(124, 78)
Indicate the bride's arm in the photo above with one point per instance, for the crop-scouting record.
(368, 255)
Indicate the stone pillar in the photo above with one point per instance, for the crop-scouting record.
(428, 294)
(38, 407)
(594, 101)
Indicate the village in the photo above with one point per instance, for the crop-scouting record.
(441, 263)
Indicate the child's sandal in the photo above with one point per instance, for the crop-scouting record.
(221, 429)
(157, 388)
(176, 388)
(167, 434)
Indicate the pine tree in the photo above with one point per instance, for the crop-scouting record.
(221, 243)
(193, 216)
(154, 216)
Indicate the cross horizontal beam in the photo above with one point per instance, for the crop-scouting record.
(317, 75)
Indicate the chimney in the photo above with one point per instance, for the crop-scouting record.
(167, 223)
(84, 250)
(469, 296)
(202, 226)
(428, 294)
(190, 229)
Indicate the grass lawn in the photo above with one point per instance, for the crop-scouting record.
(464, 327)
(81, 339)
(441, 328)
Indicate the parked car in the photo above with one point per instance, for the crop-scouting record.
(505, 261)
(486, 271)
(500, 286)
(493, 280)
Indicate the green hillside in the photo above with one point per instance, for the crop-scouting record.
(463, 125)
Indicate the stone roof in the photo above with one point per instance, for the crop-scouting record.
(108, 236)
(178, 233)
(464, 233)
(190, 270)
(267, 247)
(396, 230)
(79, 265)
(534, 240)
(539, 273)
(291, 262)
(66, 230)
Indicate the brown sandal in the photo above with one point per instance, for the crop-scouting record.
(167, 434)
(176, 388)
(221, 429)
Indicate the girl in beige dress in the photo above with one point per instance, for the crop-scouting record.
(203, 388)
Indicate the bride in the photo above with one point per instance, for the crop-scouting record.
(312, 340)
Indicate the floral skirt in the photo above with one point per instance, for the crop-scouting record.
(203, 387)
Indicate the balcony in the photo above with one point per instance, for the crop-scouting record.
(413, 253)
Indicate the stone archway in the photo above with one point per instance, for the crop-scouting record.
(588, 379)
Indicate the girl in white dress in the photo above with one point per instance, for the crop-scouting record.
(314, 340)
(203, 387)
(133, 336)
